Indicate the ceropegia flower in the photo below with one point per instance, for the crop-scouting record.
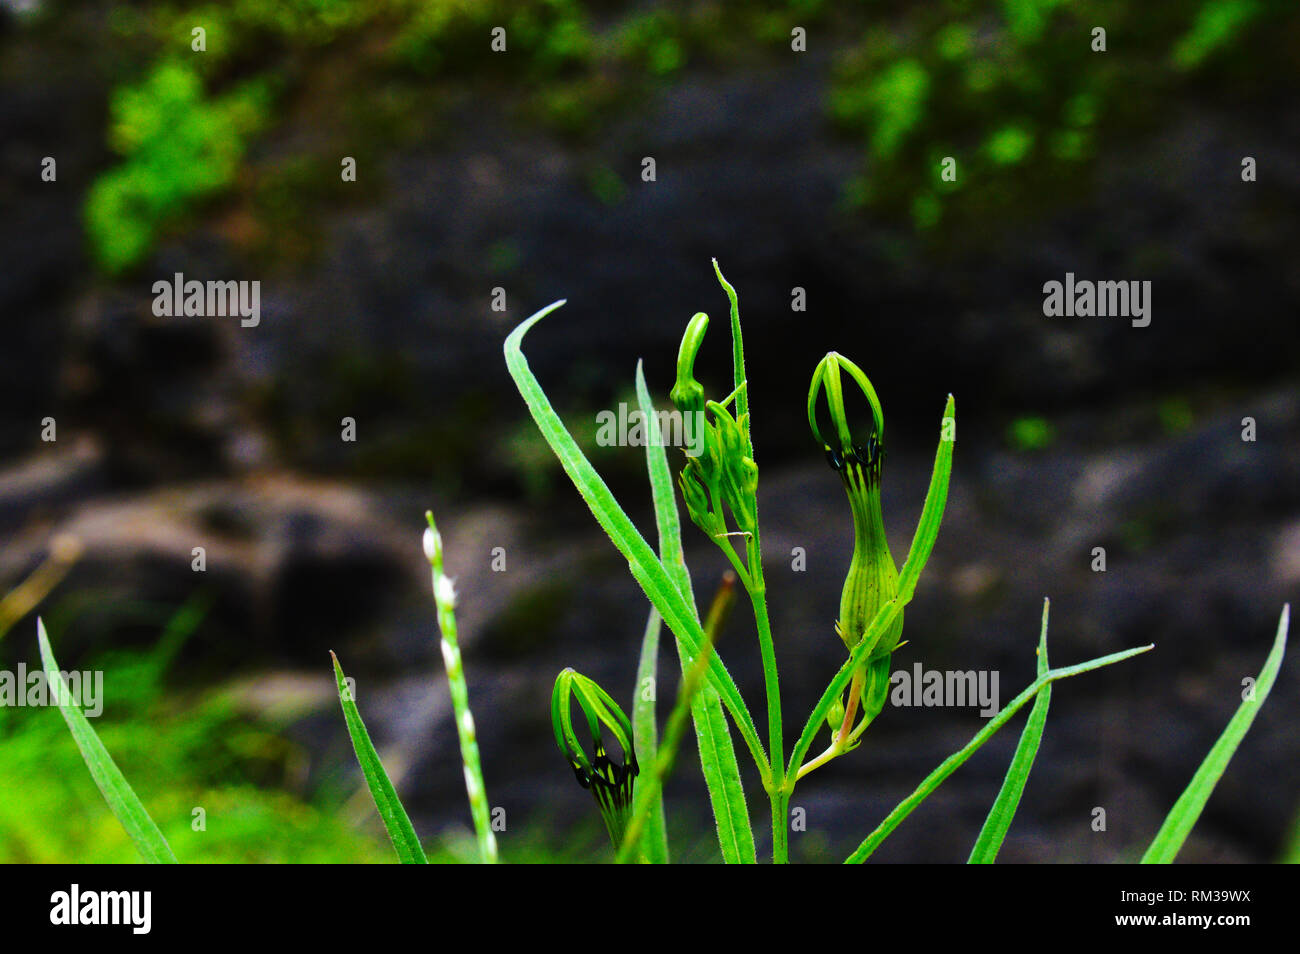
(611, 783)
(723, 473)
(873, 577)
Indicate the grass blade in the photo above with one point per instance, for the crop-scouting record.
(1004, 807)
(1182, 817)
(121, 798)
(388, 804)
(737, 357)
(667, 519)
(717, 755)
(650, 787)
(726, 791)
(444, 595)
(936, 498)
(957, 759)
(645, 567)
(645, 737)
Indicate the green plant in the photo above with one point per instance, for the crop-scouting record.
(178, 147)
(719, 487)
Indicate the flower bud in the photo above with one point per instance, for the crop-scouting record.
(739, 472)
(611, 784)
(688, 394)
(699, 507)
(872, 579)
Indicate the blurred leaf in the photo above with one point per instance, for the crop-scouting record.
(1031, 433)
(1217, 24)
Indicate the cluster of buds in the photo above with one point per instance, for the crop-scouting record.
(610, 783)
(872, 579)
(723, 473)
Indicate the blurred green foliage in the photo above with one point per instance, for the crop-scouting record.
(1012, 90)
(1217, 24)
(1031, 433)
(178, 147)
(1176, 415)
(994, 84)
(181, 755)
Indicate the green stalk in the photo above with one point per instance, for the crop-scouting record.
(772, 685)
(758, 596)
(445, 596)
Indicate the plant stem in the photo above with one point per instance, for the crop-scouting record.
(780, 835)
(851, 710)
(772, 684)
(846, 734)
(445, 597)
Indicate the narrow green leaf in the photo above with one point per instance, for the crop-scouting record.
(936, 498)
(717, 755)
(399, 826)
(1182, 817)
(121, 798)
(726, 792)
(667, 519)
(957, 759)
(737, 357)
(645, 567)
(1004, 807)
(645, 736)
(650, 785)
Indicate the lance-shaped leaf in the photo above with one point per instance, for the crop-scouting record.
(957, 759)
(396, 822)
(1004, 807)
(121, 798)
(717, 754)
(1182, 817)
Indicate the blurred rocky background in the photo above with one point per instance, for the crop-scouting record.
(800, 143)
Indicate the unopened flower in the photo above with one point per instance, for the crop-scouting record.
(611, 783)
(723, 474)
(872, 579)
